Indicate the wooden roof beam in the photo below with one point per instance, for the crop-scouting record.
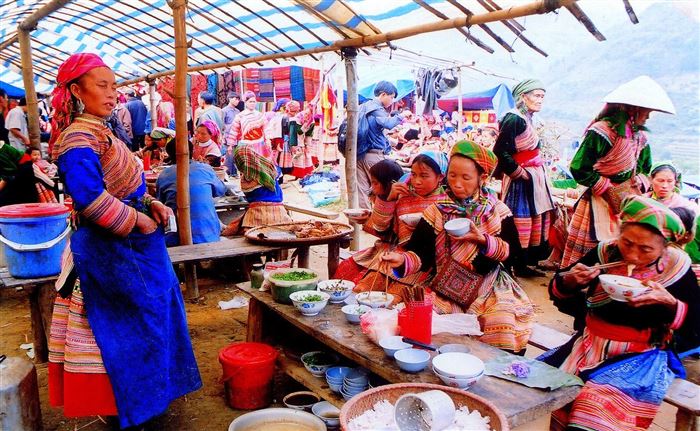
(466, 33)
(513, 26)
(630, 12)
(537, 7)
(484, 27)
(581, 16)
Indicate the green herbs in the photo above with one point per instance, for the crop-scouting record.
(319, 359)
(311, 298)
(294, 276)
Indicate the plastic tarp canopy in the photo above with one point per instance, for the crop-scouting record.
(498, 98)
(404, 87)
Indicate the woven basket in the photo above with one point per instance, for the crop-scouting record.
(366, 400)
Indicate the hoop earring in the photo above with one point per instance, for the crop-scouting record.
(79, 106)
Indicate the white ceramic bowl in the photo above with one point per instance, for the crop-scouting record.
(307, 307)
(458, 226)
(621, 288)
(375, 299)
(458, 382)
(454, 347)
(411, 219)
(327, 412)
(393, 344)
(355, 212)
(354, 311)
(459, 365)
(277, 416)
(337, 289)
(412, 360)
(318, 369)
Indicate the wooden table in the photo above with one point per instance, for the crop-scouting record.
(523, 406)
(41, 294)
(41, 291)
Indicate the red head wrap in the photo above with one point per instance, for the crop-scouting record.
(73, 68)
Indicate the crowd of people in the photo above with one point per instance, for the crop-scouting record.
(415, 175)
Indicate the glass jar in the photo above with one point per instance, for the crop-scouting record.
(257, 275)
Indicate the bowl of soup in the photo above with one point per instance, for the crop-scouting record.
(458, 226)
(621, 288)
(277, 419)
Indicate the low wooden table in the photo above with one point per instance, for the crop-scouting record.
(41, 292)
(523, 406)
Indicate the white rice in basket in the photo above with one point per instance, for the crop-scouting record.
(381, 418)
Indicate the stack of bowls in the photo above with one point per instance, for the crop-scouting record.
(335, 377)
(356, 381)
(458, 370)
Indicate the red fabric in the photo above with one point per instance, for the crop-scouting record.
(166, 87)
(198, 83)
(521, 157)
(73, 68)
(607, 330)
(349, 270)
(80, 394)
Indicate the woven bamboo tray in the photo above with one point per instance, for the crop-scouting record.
(281, 233)
(366, 400)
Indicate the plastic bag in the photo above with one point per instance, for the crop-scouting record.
(380, 323)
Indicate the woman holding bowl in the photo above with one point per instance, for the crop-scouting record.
(624, 350)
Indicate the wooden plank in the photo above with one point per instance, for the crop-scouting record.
(217, 250)
(546, 338)
(255, 320)
(333, 257)
(9, 281)
(318, 385)
(685, 395)
(321, 213)
(520, 404)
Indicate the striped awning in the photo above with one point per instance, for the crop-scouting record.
(136, 37)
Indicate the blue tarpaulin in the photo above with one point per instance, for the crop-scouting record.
(498, 98)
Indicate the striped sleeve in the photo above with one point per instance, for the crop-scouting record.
(412, 264)
(81, 170)
(382, 215)
(495, 248)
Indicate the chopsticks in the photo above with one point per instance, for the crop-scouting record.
(413, 294)
(601, 266)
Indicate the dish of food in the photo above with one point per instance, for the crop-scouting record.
(298, 232)
(294, 276)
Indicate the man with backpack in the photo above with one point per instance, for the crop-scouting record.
(372, 144)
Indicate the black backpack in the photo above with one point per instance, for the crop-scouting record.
(342, 136)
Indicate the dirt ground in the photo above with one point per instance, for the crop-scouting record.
(211, 329)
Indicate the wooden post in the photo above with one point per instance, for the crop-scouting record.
(25, 48)
(153, 103)
(460, 123)
(350, 55)
(182, 153)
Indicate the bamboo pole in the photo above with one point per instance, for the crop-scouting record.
(182, 153)
(25, 48)
(537, 7)
(153, 103)
(350, 55)
(9, 42)
(460, 107)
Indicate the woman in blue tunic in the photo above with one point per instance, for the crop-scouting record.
(135, 341)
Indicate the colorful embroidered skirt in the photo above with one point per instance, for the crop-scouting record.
(265, 213)
(78, 380)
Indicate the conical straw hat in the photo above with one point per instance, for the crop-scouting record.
(643, 92)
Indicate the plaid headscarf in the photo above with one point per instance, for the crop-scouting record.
(73, 68)
(438, 157)
(255, 169)
(640, 209)
(482, 156)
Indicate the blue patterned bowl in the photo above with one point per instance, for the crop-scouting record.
(309, 302)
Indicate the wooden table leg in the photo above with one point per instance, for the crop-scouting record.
(255, 320)
(333, 257)
(191, 286)
(41, 306)
(303, 256)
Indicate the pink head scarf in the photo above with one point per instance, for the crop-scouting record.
(212, 128)
(73, 68)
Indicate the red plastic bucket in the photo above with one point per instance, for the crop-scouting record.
(248, 371)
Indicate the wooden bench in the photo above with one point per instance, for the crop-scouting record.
(682, 394)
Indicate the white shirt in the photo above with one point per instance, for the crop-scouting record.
(16, 119)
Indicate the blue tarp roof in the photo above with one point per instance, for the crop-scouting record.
(498, 98)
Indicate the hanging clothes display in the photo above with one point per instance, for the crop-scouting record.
(433, 84)
(267, 92)
(296, 78)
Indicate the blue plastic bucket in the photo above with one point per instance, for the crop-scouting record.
(34, 236)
